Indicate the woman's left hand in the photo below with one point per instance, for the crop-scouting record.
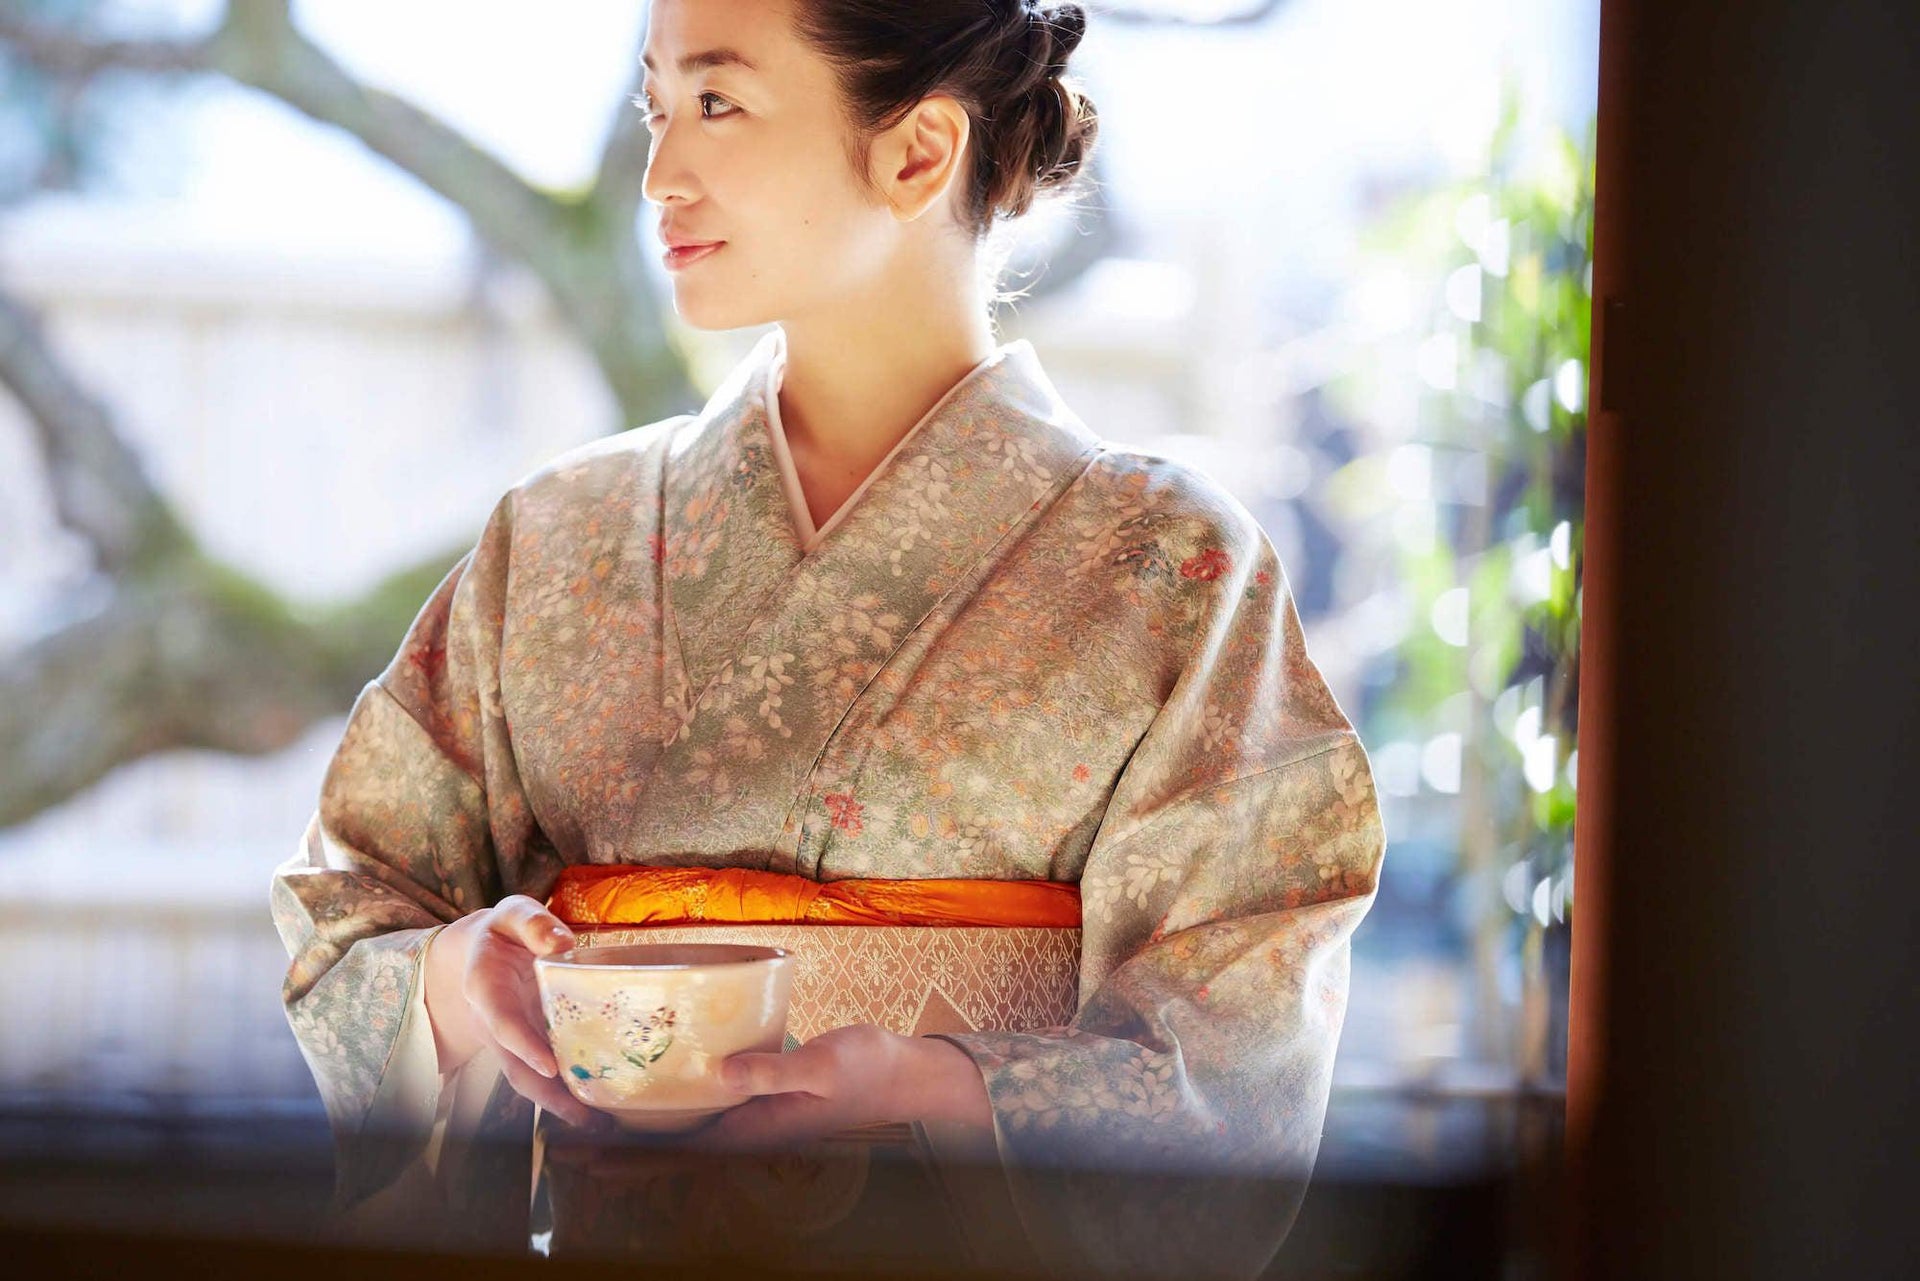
(847, 1077)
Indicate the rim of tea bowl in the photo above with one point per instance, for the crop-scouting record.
(664, 956)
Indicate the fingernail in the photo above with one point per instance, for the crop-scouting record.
(733, 1076)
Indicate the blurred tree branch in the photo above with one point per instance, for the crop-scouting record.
(582, 248)
(189, 652)
(100, 490)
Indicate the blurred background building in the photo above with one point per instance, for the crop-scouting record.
(1336, 258)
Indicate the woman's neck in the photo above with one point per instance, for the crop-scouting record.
(856, 382)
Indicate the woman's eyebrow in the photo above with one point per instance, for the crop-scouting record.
(705, 58)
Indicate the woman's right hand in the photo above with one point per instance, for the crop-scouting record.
(481, 993)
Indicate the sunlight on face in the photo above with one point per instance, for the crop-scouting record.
(754, 156)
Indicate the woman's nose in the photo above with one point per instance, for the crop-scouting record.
(667, 177)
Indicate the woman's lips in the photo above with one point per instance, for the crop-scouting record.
(685, 255)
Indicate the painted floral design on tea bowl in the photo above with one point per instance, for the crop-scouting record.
(640, 1030)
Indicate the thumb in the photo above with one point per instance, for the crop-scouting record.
(527, 922)
(755, 1072)
(557, 938)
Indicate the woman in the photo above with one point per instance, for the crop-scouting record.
(884, 608)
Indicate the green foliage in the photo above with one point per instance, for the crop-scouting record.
(1501, 259)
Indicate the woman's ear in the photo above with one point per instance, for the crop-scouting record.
(918, 159)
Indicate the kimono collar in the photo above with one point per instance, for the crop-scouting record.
(776, 366)
(978, 464)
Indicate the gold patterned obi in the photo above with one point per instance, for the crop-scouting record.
(912, 956)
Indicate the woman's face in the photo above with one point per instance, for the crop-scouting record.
(753, 155)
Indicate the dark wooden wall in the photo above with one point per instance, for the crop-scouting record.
(1744, 978)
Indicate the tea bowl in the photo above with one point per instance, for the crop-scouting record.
(640, 1030)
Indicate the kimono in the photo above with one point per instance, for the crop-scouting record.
(1017, 651)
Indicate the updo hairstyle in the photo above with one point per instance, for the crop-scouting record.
(1005, 60)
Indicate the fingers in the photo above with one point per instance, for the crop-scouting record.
(501, 989)
(549, 1093)
(500, 984)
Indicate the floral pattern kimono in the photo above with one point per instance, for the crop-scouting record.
(1019, 651)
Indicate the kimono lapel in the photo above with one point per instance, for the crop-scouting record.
(775, 644)
(728, 533)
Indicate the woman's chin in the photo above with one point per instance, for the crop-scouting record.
(698, 311)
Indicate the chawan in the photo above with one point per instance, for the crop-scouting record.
(640, 1031)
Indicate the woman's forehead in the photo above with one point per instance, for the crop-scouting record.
(686, 36)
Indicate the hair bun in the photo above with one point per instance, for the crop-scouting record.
(1055, 33)
(1032, 126)
(1044, 126)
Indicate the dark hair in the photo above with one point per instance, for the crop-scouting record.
(1032, 128)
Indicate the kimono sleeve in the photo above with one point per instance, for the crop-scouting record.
(1171, 1127)
(421, 819)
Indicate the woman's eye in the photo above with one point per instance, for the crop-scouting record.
(645, 104)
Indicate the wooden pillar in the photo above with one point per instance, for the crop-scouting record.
(1744, 907)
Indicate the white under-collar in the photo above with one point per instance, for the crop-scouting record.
(810, 536)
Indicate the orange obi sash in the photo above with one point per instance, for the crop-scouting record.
(593, 894)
